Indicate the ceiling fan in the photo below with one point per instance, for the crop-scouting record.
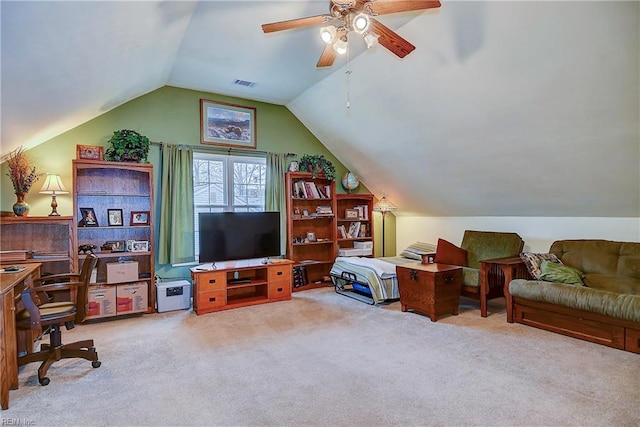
(358, 16)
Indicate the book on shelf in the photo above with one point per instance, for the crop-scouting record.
(363, 211)
(364, 230)
(324, 210)
(354, 229)
(299, 190)
(342, 232)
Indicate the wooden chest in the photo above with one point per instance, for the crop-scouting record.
(431, 289)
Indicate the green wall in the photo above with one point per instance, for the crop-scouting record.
(170, 115)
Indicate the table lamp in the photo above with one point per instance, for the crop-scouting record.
(53, 185)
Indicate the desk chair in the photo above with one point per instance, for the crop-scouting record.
(43, 312)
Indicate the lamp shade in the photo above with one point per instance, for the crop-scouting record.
(53, 185)
(384, 205)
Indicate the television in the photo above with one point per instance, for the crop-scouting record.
(228, 236)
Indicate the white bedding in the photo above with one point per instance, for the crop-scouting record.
(382, 268)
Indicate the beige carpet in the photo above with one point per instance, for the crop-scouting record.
(323, 359)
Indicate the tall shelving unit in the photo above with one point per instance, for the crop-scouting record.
(113, 185)
(363, 204)
(311, 228)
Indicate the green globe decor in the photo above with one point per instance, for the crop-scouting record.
(350, 182)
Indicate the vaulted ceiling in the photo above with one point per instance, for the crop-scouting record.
(504, 108)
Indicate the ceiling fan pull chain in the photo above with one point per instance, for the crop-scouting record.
(348, 73)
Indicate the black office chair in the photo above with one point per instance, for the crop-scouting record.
(42, 312)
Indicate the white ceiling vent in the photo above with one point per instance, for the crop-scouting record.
(243, 83)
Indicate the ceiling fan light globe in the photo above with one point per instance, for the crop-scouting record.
(340, 46)
(328, 33)
(371, 39)
(361, 23)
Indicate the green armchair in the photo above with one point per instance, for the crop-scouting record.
(482, 279)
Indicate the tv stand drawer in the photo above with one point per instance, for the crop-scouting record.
(212, 281)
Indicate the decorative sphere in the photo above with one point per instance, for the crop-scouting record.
(350, 182)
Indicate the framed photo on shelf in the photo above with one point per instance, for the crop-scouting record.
(114, 217)
(137, 245)
(139, 218)
(89, 218)
(225, 124)
(351, 214)
(116, 245)
(89, 152)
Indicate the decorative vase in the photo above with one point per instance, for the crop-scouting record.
(21, 208)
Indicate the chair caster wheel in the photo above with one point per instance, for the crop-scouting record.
(44, 381)
(96, 363)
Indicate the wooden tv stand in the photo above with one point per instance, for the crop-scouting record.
(233, 284)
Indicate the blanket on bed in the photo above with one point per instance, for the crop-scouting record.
(378, 273)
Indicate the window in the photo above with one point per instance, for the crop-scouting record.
(227, 184)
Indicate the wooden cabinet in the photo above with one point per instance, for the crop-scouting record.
(241, 283)
(49, 240)
(311, 227)
(104, 186)
(354, 212)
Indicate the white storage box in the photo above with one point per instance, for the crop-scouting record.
(173, 295)
(350, 252)
(363, 245)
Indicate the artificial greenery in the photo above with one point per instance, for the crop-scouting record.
(317, 163)
(127, 146)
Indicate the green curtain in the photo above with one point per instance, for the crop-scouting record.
(176, 236)
(275, 197)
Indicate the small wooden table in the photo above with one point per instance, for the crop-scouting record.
(431, 289)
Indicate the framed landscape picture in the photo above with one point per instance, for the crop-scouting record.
(227, 124)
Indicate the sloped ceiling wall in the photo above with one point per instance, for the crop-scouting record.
(504, 108)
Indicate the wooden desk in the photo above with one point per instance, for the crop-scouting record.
(11, 284)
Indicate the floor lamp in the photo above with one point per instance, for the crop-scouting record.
(383, 206)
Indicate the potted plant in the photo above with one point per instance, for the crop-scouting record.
(316, 164)
(127, 146)
(23, 175)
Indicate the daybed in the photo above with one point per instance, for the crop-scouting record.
(373, 280)
(605, 309)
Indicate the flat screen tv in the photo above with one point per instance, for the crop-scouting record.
(228, 236)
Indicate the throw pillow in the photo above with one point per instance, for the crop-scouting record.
(417, 249)
(554, 272)
(448, 253)
(533, 261)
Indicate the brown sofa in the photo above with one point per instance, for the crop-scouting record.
(606, 310)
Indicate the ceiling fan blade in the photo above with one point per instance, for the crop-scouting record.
(382, 7)
(294, 23)
(390, 39)
(327, 57)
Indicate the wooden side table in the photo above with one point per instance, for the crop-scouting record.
(431, 289)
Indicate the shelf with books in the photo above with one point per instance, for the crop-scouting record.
(311, 227)
(354, 224)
